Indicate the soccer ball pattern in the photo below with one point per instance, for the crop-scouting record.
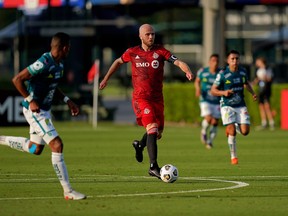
(169, 173)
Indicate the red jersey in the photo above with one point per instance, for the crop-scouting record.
(147, 70)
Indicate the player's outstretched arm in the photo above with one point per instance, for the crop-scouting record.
(185, 68)
(113, 68)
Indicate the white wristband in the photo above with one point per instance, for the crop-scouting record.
(66, 99)
(29, 98)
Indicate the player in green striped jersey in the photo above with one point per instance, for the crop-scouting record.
(42, 78)
(230, 84)
(209, 104)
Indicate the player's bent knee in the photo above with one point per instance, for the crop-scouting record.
(152, 128)
(230, 130)
(56, 145)
(245, 133)
(38, 151)
(245, 130)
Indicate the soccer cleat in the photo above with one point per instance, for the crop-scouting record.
(74, 195)
(209, 145)
(272, 128)
(138, 150)
(260, 128)
(234, 161)
(155, 172)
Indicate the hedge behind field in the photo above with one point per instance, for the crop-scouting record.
(181, 105)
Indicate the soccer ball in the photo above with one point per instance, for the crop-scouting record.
(169, 173)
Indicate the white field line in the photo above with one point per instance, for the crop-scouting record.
(236, 184)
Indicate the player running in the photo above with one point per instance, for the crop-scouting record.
(230, 84)
(209, 104)
(147, 61)
(43, 77)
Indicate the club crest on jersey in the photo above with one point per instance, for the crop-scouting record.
(146, 111)
(37, 65)
(155, 55)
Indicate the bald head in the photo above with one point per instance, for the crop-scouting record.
(144, 28)
(147, 36)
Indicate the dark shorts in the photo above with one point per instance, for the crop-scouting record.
(264, 96)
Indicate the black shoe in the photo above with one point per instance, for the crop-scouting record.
(139, 150)
(155, 172)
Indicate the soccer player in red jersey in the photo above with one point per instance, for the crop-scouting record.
(147, 62)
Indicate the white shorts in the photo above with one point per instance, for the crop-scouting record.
(231, 115)
(42, 129)
(210, 109)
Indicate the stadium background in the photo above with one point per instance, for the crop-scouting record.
(102, 29)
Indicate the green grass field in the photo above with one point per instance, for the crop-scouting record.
(101, 164)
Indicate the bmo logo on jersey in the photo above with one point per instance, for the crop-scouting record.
(154, 64)
(142, 64)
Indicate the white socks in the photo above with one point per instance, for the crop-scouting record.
(61, 170)
(263, 123)
(232, 146)
(204, 125)
(271, 123)
(18, 143)
(213, 132)
(22, 144)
